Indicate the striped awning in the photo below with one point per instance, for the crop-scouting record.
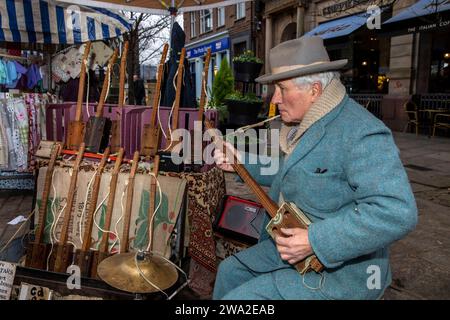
(38, 21)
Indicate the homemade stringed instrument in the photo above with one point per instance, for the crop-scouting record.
(38, 250)
(83, 256)
(98, 127)
(63, 251)
(124, 241)
(197, 151)
(171, 141)
(103, 249)
(116, 136)
(151, 136)
(285, 216)
(75, 131)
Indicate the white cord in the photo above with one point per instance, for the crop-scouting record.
(59, 216)
(108, 72)
(52, 210)
(84, 206)
(95, 222)
(120, 218)
(150, 223)
(154, 285)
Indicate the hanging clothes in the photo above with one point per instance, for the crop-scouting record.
(22, 121)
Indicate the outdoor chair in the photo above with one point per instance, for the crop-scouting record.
(441, 120)
(412, 111)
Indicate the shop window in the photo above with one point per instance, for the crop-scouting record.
(220, 16)
(239, 48)
(440, 65)
(240, 10)
(369, 70)
(193, 24)
(206, 20)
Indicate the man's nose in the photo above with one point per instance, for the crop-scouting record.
(276, 99)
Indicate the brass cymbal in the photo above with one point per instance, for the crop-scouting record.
(120, 271)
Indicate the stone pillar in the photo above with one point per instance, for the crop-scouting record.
(300, 21)
(268, 42)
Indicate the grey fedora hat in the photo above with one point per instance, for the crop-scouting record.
(299, 57)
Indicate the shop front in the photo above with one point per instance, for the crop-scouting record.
(351, 38)
(195, 52)
(419, 63)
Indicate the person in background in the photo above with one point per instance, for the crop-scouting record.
(139, 90)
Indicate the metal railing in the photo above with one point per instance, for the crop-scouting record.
(372, 102)
(435, 101)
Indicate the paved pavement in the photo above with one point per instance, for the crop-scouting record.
(420, 261)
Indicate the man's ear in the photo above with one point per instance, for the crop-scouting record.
(316, 90)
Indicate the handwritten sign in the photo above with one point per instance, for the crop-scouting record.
(7, 273)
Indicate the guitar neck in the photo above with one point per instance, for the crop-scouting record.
(204, 85)
(80, 99)
(153, 123)
(110, 206)
(151, 207)
(179, 89)
(129, 204)
(123, 66)
(268, 204)
(45, 194)
(106, 82)
(71, 196)
(93, 202)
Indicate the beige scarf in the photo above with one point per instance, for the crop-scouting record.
(290, 134)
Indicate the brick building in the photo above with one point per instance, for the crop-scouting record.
(228, 31)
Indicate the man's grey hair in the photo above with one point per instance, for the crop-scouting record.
(324, 78)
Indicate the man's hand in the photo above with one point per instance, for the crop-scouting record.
(224, 162)
(293, 245)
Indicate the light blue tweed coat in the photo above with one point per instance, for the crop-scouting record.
(359, 206)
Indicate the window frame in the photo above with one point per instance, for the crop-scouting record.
(203, 19)
(219, 11)
(240, 5)
(193, 24)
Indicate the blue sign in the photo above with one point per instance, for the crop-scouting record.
(216, 46)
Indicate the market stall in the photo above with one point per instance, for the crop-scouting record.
(102, 210)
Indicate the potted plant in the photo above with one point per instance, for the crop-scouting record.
(243, 109)
(247, 66)
(222, 86)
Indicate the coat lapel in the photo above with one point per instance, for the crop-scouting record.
(311, 138)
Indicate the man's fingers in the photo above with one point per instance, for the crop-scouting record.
(282, 241)
(288, 231)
